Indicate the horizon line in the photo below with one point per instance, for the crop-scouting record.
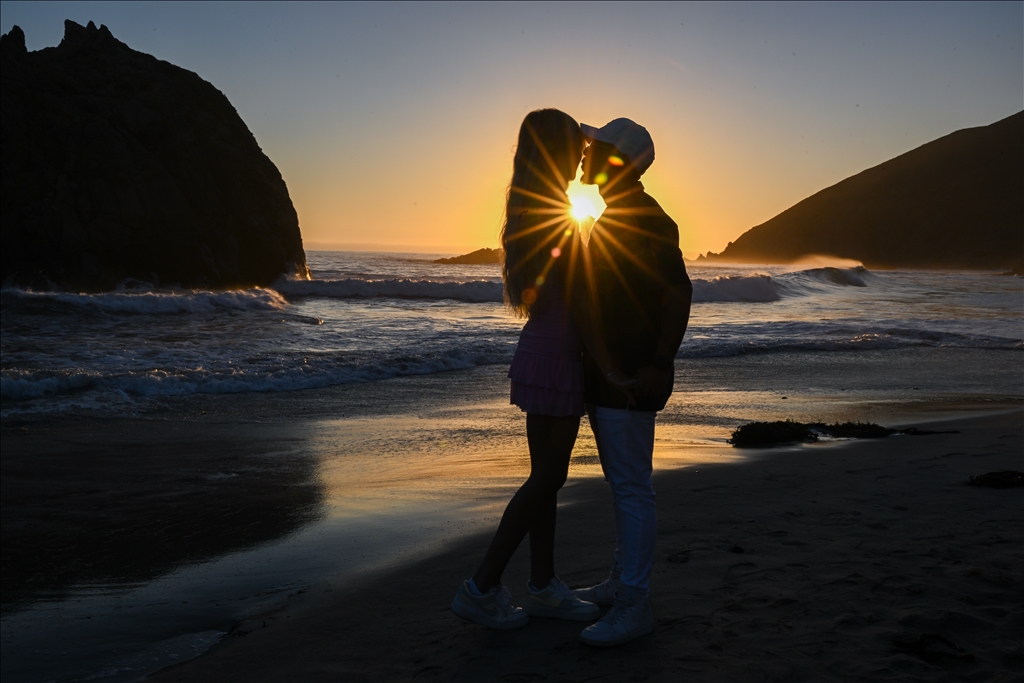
(439, 249)
(455, 249)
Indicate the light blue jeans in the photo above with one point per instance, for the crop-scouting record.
(625, 443)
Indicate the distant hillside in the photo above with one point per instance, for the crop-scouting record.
(956, 202)
(474, 258)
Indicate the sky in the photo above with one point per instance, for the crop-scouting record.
(394, 124)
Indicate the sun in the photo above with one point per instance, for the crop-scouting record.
(581, 209)
(585, 200)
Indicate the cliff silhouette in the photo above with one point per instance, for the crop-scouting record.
(955, 202)
(478, 257)
(118, 165)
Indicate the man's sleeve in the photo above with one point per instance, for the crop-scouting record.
(670, 257)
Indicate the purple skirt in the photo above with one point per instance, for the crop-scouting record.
(547, 369)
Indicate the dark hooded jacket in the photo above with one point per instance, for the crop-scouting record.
(633, 261)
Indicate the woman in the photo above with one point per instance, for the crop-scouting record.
(540, 242)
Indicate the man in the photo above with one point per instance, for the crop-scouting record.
(639, 305)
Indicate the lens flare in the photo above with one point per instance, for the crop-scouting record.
(556, 252)
(529, 296)
(616, 161)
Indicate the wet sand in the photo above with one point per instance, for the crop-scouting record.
(114, 502)
(351, 513)
(868, 560)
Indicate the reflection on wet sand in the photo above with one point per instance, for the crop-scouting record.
(127, 544)
(116, 504)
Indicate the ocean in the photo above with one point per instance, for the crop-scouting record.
(177, 462)
(364, 317)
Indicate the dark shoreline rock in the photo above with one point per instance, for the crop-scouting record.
(474, 258)
(118, 165)
(754, 434)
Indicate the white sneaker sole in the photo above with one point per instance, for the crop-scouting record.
(583, 594)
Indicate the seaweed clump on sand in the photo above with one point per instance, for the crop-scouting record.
(769, 433)
(1005, 479)
(853, 430)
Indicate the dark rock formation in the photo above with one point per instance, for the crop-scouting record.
(956, 202)
(118, 165)
(755, 434)
(474, 258)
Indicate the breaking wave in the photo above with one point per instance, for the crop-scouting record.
(814, 278)
(477, 291)
(289, 371)
(726, 288)
(279, 372)
(752, 288)
(126, 302)
(123, 350)
(781, 337)
(765, 288)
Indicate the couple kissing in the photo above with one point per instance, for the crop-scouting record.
(604, 320)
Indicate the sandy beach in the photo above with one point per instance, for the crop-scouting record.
(325, 532)
(865, 560)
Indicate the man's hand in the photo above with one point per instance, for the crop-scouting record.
(620, 381)
(651, 382)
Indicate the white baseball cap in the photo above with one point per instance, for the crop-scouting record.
(629, 137)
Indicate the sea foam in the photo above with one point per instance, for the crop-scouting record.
(149, 303)
(117, 352)
(479, 291)
(725, 288)
(755, 288)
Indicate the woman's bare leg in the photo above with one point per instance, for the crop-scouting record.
(532, 508)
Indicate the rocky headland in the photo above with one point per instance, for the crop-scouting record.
(955, 202)
(474, 258)
(117, 166)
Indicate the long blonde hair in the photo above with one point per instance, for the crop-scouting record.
(536, 208)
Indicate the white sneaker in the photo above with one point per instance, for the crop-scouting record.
(602, 594)
(630, 618)
(493, 609)
(556, 600)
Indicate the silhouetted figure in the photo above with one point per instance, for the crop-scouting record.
(639, 307)
(540, 243)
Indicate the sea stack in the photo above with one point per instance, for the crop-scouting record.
(117, 165)
(955, 202)
(474, 258)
